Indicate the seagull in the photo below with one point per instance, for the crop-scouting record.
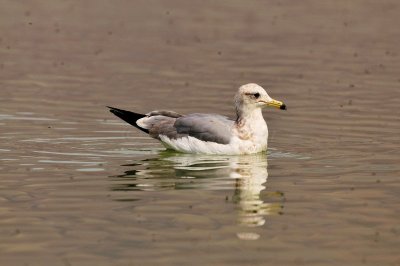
(210, 133)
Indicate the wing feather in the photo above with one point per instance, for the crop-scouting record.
(206, 127)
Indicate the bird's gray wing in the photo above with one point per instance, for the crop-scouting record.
(162, 125)
(205, 127)
(166, 113)
(161, 122)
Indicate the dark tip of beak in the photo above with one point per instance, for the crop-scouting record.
(283, 107)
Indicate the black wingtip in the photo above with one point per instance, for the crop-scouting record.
(113, 109)
(128, 116)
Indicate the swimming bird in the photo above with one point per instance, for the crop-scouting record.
(210, 133)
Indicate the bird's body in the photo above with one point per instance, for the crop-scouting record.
(210, 133)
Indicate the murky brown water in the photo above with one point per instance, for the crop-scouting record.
(79, 187)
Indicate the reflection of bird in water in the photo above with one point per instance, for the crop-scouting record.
(251, 175)
(250, 181)
(248, 174)
(210, 133)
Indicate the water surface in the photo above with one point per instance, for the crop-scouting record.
(79, 187)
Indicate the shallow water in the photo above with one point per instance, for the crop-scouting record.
(79, 187)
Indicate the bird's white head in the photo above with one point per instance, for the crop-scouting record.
(251, 97)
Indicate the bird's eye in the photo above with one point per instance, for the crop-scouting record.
(256, 95)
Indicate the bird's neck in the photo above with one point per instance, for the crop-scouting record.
(249, 117)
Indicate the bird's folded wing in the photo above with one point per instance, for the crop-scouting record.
(205, 127)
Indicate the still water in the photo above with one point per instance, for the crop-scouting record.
(79, 187)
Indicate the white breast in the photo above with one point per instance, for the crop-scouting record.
(251, 138)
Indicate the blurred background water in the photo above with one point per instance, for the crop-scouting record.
(79, 187)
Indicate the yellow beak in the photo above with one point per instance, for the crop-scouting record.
(277, 104)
